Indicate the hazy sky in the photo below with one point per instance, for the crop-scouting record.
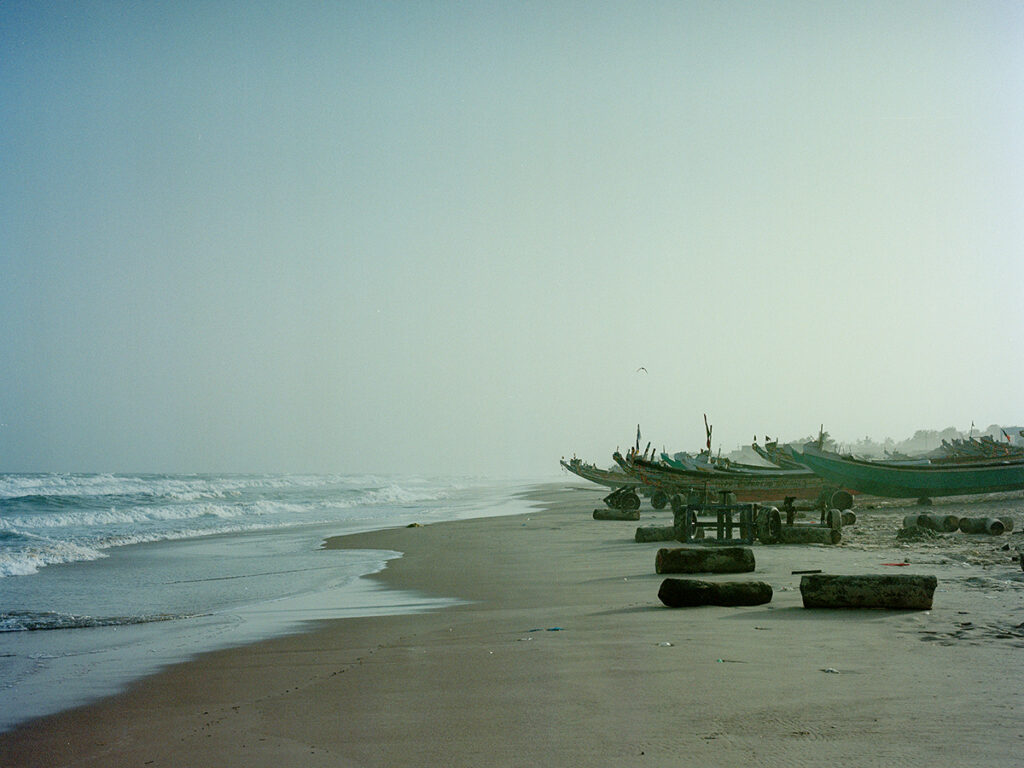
(443, 237)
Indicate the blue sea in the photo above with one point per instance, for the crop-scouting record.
(108, 577)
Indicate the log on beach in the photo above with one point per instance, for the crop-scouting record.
(939, 523)
(704, 560)
(943, 523)
(616, 514)
(822, 590)
(841, 500)
(683, 593)
(849, 517)
(809, 534)
(989, 525)
(655, 533)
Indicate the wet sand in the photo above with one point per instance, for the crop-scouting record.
(564, 656)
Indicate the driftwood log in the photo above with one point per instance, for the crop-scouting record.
(809, 534)
(655, 533)
(1007, 523)
(989, 525)
(939, 523)
(849, 517)
(822, 590)
(704, 560)
(683, 593)
(616, 514)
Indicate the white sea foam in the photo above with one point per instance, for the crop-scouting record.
(29, 621)
(32, 552)
(48, 519)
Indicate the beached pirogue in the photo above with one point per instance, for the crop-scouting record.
(609, 478)
(626, 489)
(810, 473)
(914, 480)
(748, 484)
(776, 454)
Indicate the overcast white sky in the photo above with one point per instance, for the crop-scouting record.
(443, 237)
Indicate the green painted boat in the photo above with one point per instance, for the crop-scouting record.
(702, 463)
(772, 452)
(912, 481)
(748, 486)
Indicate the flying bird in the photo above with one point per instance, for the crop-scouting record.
(641, 368)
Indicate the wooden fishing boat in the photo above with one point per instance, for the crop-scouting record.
(772, 452)
(607, 477)
(748, 486)
(703, 463)
(910, 481)
(985, 449)
(699, 463)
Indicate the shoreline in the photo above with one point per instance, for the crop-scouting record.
(562, 652)
(220, 590)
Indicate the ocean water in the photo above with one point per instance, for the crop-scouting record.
(105, 578)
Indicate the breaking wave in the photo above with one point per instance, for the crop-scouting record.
(29, 621)
(48, 519)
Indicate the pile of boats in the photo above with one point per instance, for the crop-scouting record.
(807, 472)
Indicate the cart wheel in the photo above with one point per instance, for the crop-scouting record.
(659, 499)
(834, 519)
(691, 525)
(769, 525)
(629, 501)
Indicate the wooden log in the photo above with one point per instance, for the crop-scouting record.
(704, 560)
(849, 517)
(616, 514)
(939, 523)
(823, 590)
(989, 525)
(684, 593)
(809, 534)
(655, 533)
(841, 500)
(944, 523)
(1007, 523)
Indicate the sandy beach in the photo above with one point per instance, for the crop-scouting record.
(562, 654)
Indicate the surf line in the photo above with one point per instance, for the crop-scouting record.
(250, 575)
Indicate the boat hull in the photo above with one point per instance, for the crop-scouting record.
(913, 481)
(767, 486)
(605, 477)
